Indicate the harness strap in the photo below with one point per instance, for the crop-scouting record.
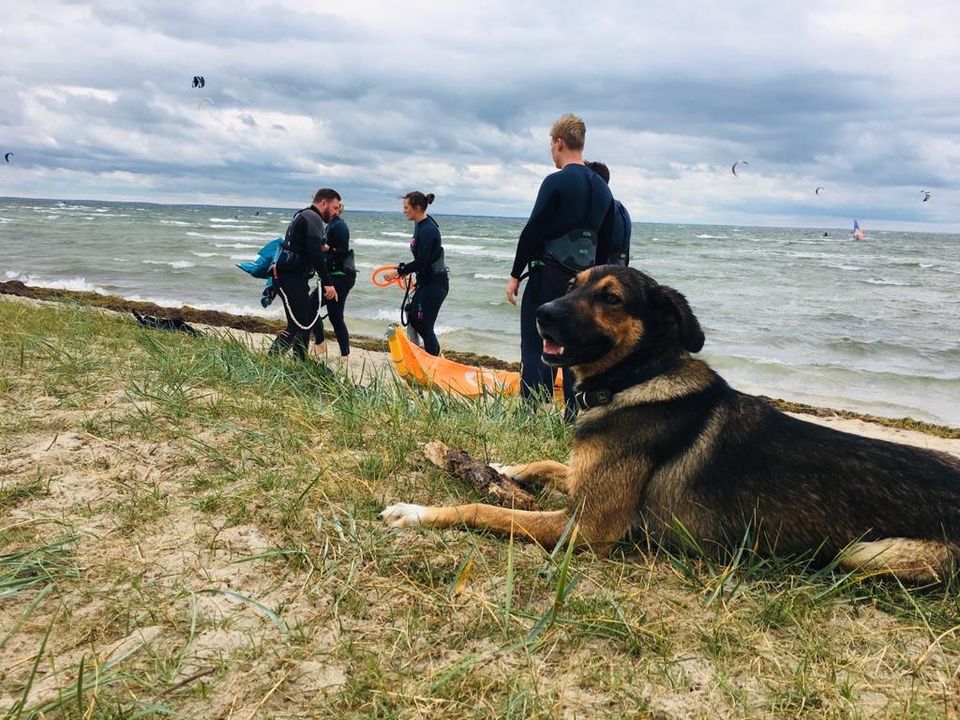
(286, 304)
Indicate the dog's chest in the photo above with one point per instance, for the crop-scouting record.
(603, 474)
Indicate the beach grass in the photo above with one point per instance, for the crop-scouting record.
(189, 529)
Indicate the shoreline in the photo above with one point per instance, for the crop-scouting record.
(250, 324)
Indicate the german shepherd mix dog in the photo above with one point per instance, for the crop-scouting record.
(663, 445)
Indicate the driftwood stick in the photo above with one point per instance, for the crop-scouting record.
(496, 487)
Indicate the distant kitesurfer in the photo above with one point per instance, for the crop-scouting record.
(619, 253)
(857, 232)
(569, 228)
(301, 256)
(433, 281)
(343, 275)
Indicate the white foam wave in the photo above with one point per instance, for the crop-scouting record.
(207, 255)
(881, 281)
(77, 283)
(74, 208)
(245, 236)
(391, 315)
(175, 222)
(373, 242)
(705, 236)
(237, 227)
(176, 264)
(851, 268)
(223, 220)
(447, 236)
(273, 311)
(454, 247)
(488, 276)
(237, 246)
(389, 233)
(486, 253)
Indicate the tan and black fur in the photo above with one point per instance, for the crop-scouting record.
(676, 447)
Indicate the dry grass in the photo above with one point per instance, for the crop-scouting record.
(189, 529)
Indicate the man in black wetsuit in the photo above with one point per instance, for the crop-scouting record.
(569, 228)
(302, 255)
(343, 275)
(619, 253)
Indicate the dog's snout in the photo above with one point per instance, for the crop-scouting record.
(548, 313)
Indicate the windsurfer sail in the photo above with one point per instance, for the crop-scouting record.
(857, 232)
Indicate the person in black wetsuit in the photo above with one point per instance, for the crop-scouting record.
(428, 263)
(619, 253)
(343, 275)
(302, 255)
(572, 203)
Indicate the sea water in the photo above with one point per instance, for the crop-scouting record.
(871, 326)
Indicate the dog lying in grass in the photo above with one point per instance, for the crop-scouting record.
(663, 445)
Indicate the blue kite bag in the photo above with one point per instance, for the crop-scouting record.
(260, 268)
(266, 258)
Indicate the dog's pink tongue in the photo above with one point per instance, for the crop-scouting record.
(552, 348)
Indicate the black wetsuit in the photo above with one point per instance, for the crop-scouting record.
(569, 199)
(304, 242)
(433, 282)
(619, 253)
(343, 275)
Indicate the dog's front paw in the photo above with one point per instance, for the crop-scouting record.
(403, 515)
(509, 470)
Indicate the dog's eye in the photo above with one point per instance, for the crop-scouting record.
(609, 298)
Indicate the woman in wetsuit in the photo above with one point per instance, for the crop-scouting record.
(428, 263)
(343, 274)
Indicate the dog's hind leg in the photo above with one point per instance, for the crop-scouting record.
(548, 473)
(914, 561)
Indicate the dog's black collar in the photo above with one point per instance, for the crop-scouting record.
(588, 399)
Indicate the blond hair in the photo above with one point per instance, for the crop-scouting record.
(571, 130)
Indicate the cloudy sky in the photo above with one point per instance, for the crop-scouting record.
(377, 98)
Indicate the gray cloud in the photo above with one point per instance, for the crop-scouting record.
(857, 97)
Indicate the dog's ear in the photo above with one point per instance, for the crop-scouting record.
(670, 301)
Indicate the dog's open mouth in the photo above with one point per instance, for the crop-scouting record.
(551, 348)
